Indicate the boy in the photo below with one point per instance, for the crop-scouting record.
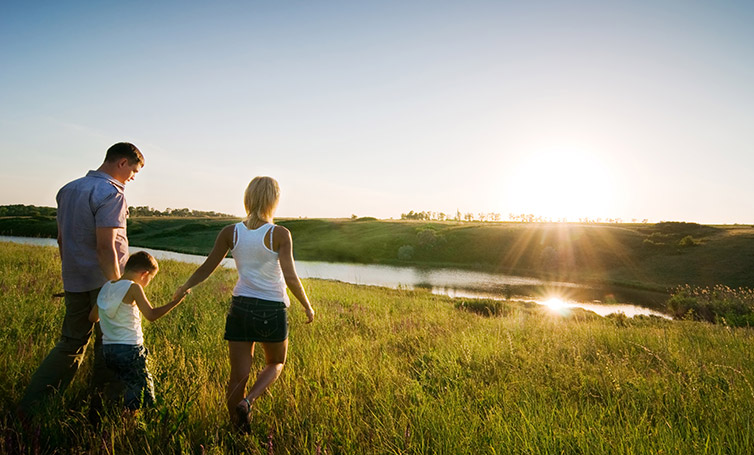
(120, 305)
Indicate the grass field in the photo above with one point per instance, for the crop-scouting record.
(395, 372)
(643, 256)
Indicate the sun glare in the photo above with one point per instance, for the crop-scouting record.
(557, 305)
(562, 185)
(554, 303)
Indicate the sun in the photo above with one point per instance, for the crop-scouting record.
(557, 305)
(561, 184)
(554, 303)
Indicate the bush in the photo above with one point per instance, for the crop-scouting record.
(687, 241)
(484, 307)
(719, 304)
(405, 252)
(426, 238)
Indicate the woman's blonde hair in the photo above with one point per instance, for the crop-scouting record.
(261, 199)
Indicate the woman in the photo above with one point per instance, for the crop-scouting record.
(258, 313)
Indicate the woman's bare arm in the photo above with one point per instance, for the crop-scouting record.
(223, 244)
(284, 242)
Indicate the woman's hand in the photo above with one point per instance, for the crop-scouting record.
(309, 315)
(181, 292)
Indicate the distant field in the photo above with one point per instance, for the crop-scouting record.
(394, 372)
(650, 256)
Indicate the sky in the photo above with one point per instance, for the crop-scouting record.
(561, 109)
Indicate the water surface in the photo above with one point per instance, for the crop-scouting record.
(451, 282)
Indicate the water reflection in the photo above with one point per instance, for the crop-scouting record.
(560, 303)
(451, 282)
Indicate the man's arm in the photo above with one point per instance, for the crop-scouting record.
(60, 242)
(106, 253)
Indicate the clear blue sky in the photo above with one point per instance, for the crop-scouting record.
(639, 109)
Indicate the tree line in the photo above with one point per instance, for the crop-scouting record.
(184, 212)
(497, 217)
(26, 210)
(458, 216)
(33, 210)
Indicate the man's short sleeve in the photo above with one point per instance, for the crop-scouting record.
(111, 212)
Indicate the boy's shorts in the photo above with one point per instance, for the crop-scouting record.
(252, 319)
(129, 362)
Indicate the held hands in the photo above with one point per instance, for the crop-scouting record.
(180, 293)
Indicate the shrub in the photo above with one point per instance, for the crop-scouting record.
(687, 241)
(484, 307)
(426, 238)
(719, 304)
(405, 252)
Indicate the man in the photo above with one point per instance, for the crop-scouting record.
(93, 248)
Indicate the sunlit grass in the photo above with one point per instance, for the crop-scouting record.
(392, 371)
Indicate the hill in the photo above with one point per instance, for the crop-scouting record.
(649, 256)
(654, 256)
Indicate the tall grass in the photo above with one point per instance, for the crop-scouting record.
(397, 372)
(719, 304)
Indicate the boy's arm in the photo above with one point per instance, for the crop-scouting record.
(137, 292)
(94, 314)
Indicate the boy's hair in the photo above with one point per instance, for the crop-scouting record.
(261, 198)
(141, 261)
(124, 150)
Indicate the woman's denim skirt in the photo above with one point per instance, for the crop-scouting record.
(252, 319)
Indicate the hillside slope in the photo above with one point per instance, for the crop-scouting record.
(654, 256)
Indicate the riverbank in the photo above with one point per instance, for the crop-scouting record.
(653, 257)
(396, 371)
(451, 282)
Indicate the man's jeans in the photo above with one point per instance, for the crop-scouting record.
(129, 362)
(60, 365)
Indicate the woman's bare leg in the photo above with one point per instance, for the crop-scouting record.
(274, 358)
(241, 353)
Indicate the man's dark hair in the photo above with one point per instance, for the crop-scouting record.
(124, 150)
(141, 261)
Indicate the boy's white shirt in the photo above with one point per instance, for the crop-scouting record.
(120, 322)
(111, 296)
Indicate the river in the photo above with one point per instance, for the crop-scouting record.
(455, 283)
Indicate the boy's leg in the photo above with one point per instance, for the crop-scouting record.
(105, 384)
(60, 365)
(130, 364)
(145, 378)
(104, 379)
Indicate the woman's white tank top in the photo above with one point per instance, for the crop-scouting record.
(259, 273)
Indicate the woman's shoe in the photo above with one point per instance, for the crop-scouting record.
(244, 415)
